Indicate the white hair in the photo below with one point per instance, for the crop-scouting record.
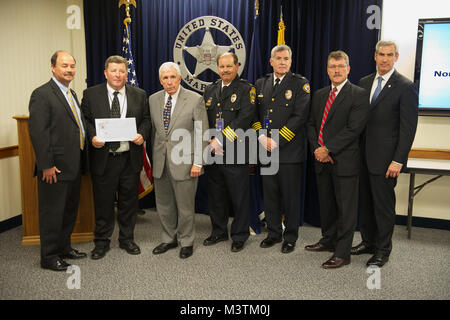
(165, 67)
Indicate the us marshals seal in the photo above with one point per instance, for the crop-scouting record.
(206, 53)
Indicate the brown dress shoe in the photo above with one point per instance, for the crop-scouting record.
(318, 247)
(335, 262)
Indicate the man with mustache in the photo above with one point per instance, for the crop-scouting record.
(57, 132)
(385, 146)
(339, 113)
(230, 105)
(115, 166)
(283, 102)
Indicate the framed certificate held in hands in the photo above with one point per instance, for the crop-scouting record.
(116, 129)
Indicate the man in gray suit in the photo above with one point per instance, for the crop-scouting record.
(178, 119)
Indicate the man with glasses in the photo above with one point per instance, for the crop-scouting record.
(338, 115)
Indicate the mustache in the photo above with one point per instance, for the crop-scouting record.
(68, 74)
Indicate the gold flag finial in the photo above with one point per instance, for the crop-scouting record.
(281, 28)
(256, 7)
(127, 9)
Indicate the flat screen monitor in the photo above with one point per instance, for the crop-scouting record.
(432, 72)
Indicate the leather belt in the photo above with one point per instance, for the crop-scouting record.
(116, 154)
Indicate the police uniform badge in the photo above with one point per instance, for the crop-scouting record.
(233, 97)
(306, 88)
(252, 95)
(288, 94)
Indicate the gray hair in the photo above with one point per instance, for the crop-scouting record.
(385, 43)
(116, 59)
(339, 55)
(167, 65)
(279, 48)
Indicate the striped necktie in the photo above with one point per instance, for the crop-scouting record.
(166, 113)
(325, 114)
(77, 118)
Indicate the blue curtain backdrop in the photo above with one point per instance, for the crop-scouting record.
(313, 29)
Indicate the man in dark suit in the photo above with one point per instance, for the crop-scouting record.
(385, 145)
(115, 165)
(57, 132)
(230, 105)
(339, 113)
(176, 112)
(283, 102)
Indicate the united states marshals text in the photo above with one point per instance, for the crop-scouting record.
(216, 23)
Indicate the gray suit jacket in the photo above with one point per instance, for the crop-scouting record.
(183, 144)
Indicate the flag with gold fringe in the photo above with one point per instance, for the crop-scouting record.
(146, 179)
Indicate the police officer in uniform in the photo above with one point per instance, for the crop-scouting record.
(283, 102)
(230, 105)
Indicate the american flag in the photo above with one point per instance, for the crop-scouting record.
(146, 180)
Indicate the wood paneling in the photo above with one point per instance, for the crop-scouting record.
(430, 154)
(8, 152)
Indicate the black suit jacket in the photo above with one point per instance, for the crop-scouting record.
(95, 105)
(288, 110)
(54, 132)
(346, 120)
(392, 123)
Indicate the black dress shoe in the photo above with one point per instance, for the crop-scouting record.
(269, 242)
(237, 246)
(130, 247)
(317, 247)
(287, 247)
(99, 252)
(335, 262)
(378, 259)
(55, 265)
(186, 252)
(215, 239)
(163, 247)
(73, 254)
(362, 248)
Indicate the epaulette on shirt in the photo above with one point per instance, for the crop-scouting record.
(305, 87)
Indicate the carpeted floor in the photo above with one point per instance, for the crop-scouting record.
(418, 269)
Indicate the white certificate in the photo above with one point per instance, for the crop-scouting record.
(116, 129)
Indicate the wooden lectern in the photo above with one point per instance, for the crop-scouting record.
(84, 226)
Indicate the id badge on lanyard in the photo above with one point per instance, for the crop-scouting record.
(266, 120)
(219, 122)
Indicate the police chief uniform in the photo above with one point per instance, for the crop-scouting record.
(283, 105)
(229, 108)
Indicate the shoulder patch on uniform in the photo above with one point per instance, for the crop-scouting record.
(252, 95)
(306, 88)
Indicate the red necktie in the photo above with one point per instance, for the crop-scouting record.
(325, 114)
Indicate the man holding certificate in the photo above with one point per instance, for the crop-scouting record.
(118, 123)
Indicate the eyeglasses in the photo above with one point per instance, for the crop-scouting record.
(340, 66)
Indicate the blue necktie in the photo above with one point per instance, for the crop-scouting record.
(377, 91)
(166, 113)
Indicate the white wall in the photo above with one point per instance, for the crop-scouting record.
(30, 31)
(399, 23)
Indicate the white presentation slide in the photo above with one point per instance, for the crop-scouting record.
(434, 90)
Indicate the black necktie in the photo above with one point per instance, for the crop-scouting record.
(115, 113)
(277, 83)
